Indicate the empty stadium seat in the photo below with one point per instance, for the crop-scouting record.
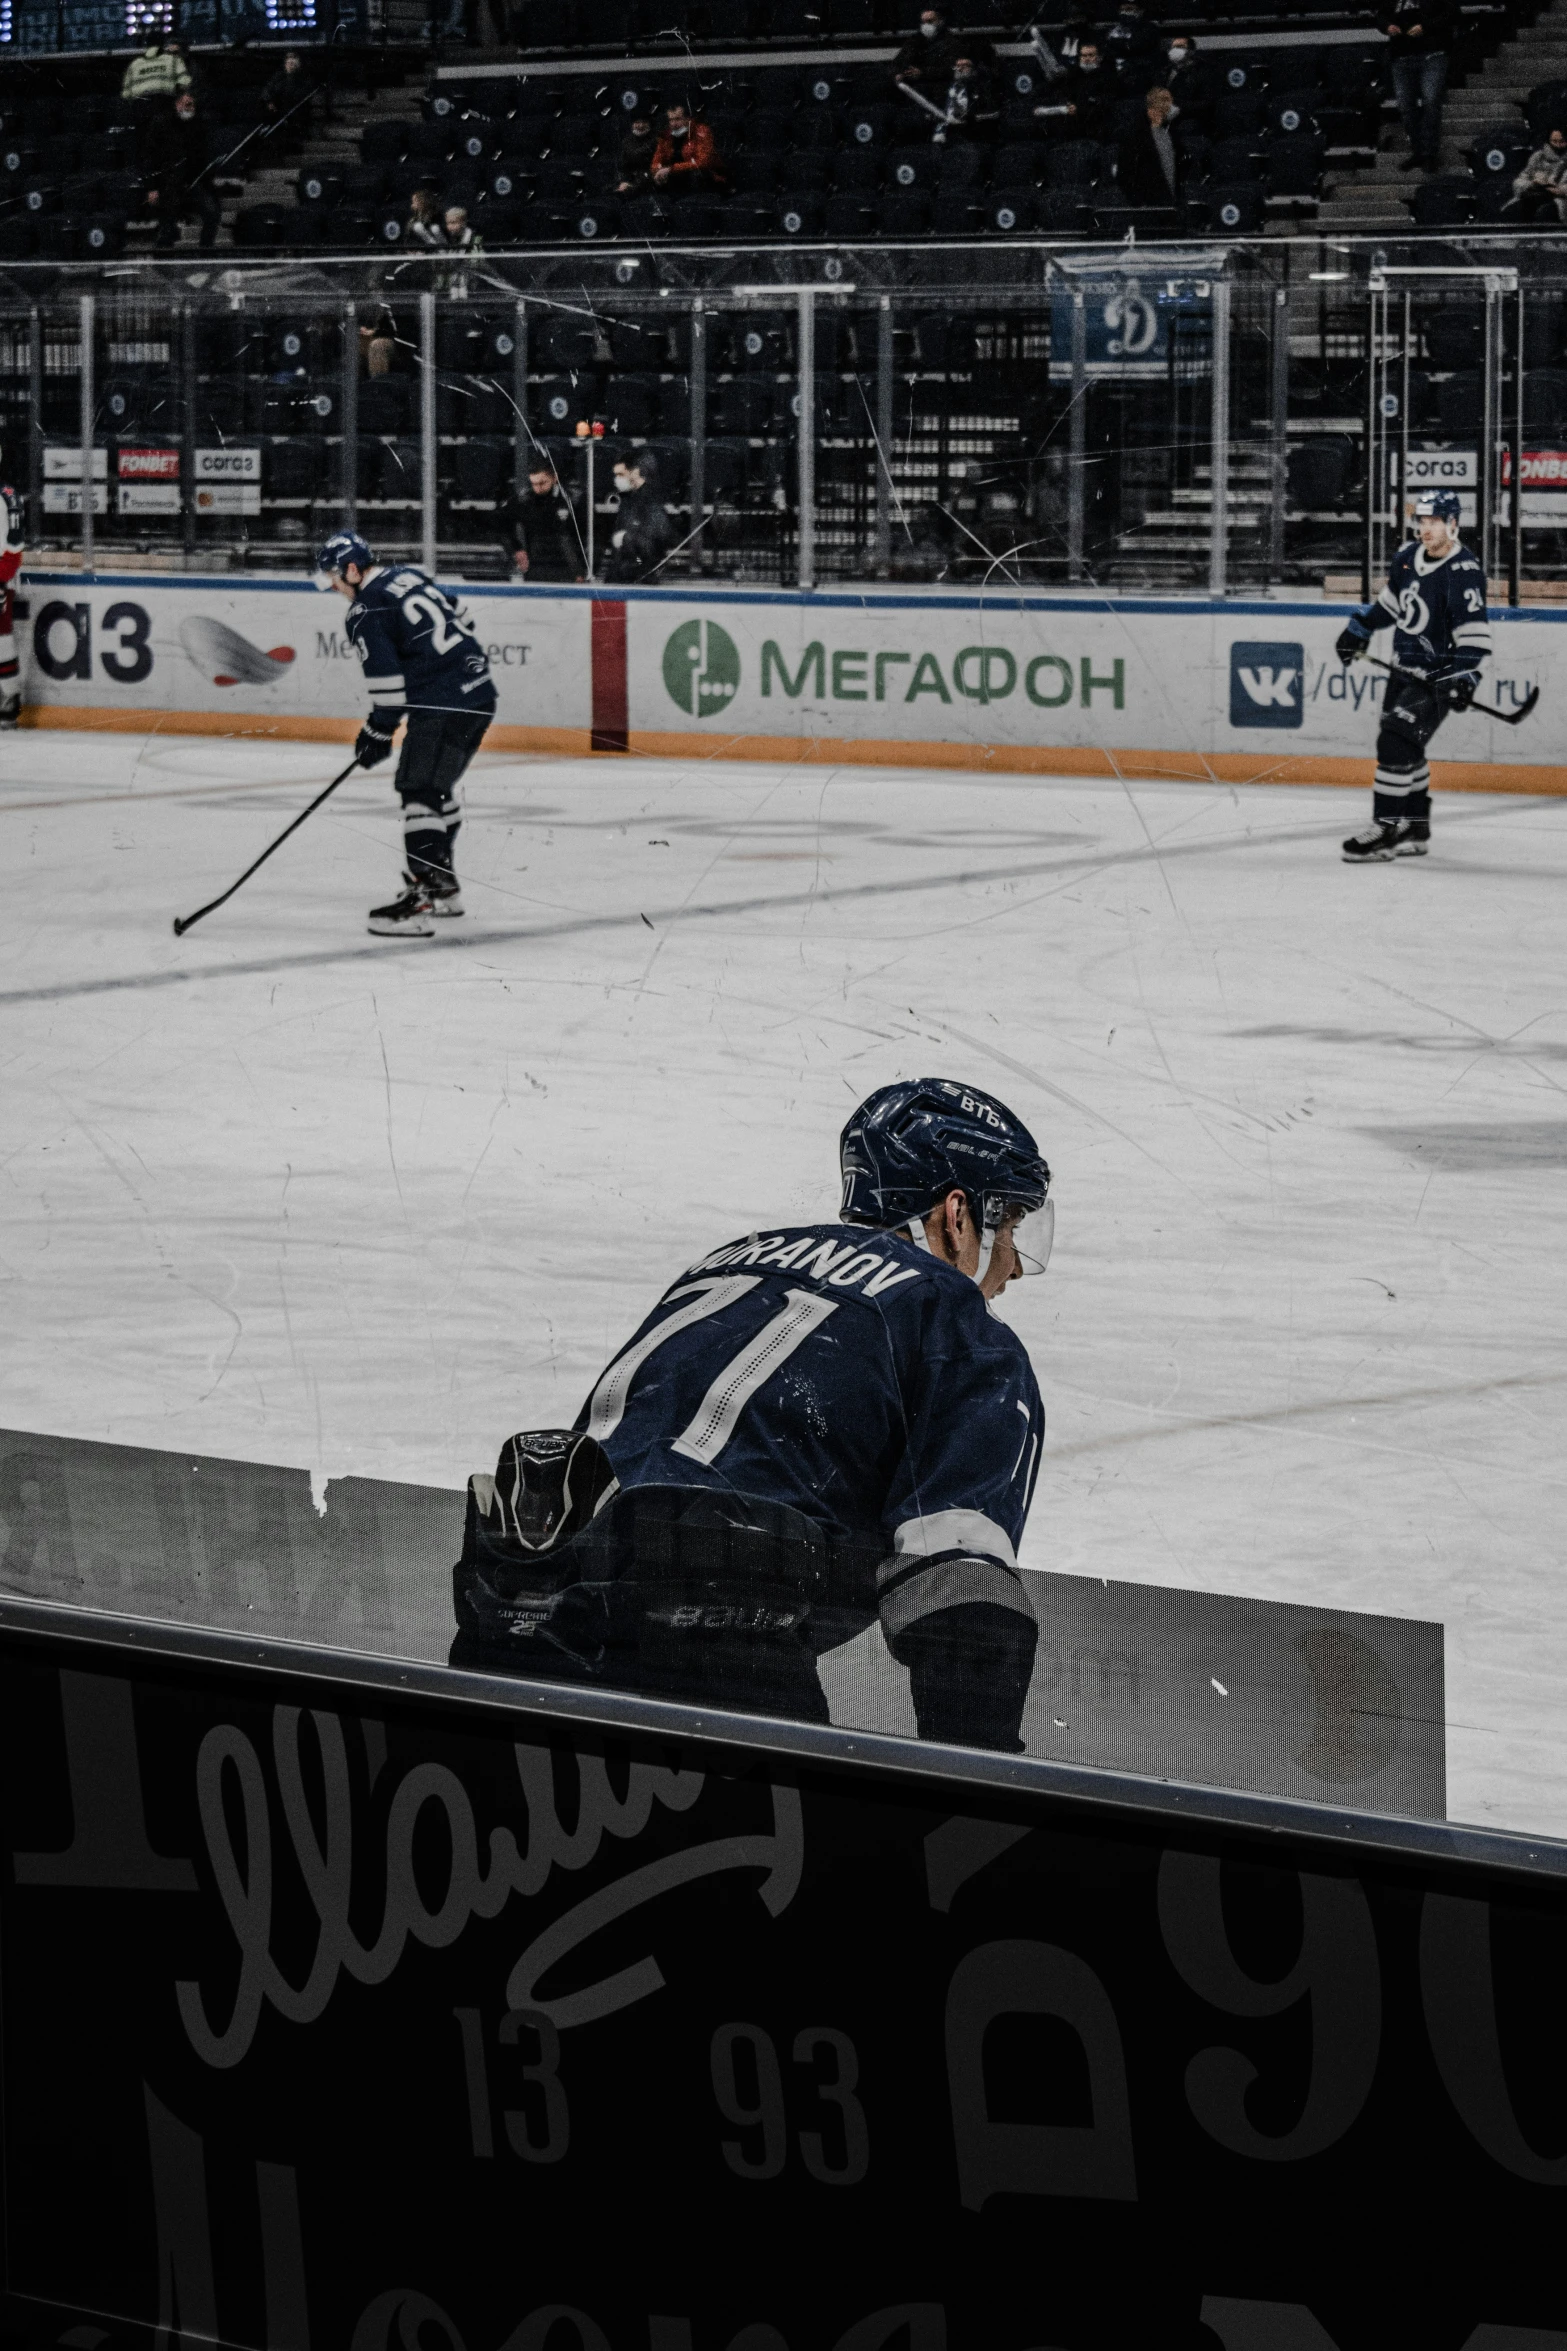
(1545, 402)
(1293, 165)
(801, 213)
(1500, 152)
(904, 213)
(1293, 111)
(1454, 336)
(1238, 208)
(1443, 203)
(1317, 471)
(1011, 211)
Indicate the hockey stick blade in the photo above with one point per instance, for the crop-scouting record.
(1507, 718)
(187, 922)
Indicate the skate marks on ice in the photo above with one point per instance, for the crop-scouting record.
(1284, 1700)
(1482, 1150)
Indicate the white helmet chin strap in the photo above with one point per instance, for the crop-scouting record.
(987, 1241)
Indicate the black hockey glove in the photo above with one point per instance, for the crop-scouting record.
(1460, 690)
(373, 746)
(1352, 640)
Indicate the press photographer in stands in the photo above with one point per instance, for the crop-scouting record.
(178, 165)
(686, 160)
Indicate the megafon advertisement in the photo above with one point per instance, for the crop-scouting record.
(1053, 684)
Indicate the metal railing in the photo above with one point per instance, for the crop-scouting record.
(1219, 417)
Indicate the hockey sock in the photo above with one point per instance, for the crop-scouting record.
(427, 838)
(1402, 794)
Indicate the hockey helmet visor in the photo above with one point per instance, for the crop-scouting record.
(334, 555)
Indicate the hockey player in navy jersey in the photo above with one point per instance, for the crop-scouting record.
(1434, 603)
(423, 663)
(815, 1428)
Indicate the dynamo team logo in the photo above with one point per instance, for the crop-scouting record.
(1267, 685)
(702, 668)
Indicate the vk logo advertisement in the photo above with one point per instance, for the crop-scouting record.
(1267, 685)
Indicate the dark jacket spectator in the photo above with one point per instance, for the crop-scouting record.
(1192, 83)
(1148, 164)
(288, 99)
(973, 108)
(1415, 29)
(547, 535)
(1132, 48)
(687, 156)
(635, 173)
(178, 160)
(643, 533)
(1089, 89)
(928, 60)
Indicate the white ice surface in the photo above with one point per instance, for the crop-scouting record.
(282, 1191)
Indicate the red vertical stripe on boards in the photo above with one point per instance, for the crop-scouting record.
(609, 674)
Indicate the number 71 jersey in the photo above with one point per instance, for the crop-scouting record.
(417, 646)
(844, 1372)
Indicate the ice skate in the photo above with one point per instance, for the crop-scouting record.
(11, 710)
(444, 892)
(1382, 842)
(407, 917)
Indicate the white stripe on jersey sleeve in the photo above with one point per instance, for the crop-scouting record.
(949, 1530)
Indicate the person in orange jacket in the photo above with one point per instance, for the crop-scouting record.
(686, 157)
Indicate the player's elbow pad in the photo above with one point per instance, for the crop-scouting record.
(969, 1667)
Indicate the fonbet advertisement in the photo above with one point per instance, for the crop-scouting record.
(1066, 684)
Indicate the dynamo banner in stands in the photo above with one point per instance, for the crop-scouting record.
(341, 2013)
(1177, 687)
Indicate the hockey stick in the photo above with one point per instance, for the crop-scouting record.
(186, 922)
(1508, 718)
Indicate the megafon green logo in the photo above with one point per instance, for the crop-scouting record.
(702, 667)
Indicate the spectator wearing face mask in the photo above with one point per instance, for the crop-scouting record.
(1189, 80)
(636, 158)
(686, 160)
(927, 61)
(1540, 190)
(643, 533)
(1148, 166)
(1088, 90)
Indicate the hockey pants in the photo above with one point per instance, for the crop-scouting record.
(437, 748)
(1411, 713)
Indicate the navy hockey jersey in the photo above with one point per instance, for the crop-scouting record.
(1436, 611)
(853, 1376)
(417, 646)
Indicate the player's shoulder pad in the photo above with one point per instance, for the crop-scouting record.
(842, 1260)
(1466, 560)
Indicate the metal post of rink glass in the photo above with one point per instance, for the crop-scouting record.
(427, 430)
(89, 408)
(1077, 443)
(806, 426)
(1219, 442)
(698, 392)
(348, 416)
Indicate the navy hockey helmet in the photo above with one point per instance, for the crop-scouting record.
(335, 554)
(910, 1144)
(1442, 503)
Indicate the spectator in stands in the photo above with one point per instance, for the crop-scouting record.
(1088, 92)
(1420, 34)
(1148, 164)
(927, 61)
(546, 527)
(288, 99)
(973, 109)
(425, 232)
(179, 168)
(1131, 47)
(377, 339)
(636, 158)
(460, 238)
(643, 533)
(1540, 190)
(686, 160)
(1189, 80)
(160, 72)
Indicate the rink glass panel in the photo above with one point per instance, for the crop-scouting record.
(1212, 431)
